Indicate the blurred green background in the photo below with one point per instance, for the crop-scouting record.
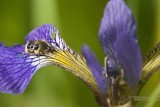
(78, 22)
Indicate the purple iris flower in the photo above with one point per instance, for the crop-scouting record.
(116, 81)
(118, 38)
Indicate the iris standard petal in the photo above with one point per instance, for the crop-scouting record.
(16, 69)
(117, 19)
(96, 69)
(129, 57)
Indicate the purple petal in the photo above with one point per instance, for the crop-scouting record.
(18, 48)
(117, 35)
(129, 57)
(117, 19)
(16, 69)
(43, 32)
(96, 69)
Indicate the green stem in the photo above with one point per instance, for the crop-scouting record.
(153, 97)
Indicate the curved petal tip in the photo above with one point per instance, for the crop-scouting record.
(116, 20)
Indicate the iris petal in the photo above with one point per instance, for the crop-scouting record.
(16, 69)
(117, 19)
(96, 69)
(18, 48)
(44, 32)
(117, 35)
(129, 57)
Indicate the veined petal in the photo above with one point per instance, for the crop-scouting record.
(117, 19)
(43, 32)
(63, 56)
(16, 69)
(96, 69)
(49, 33)
(129, 57)
(117, 35)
